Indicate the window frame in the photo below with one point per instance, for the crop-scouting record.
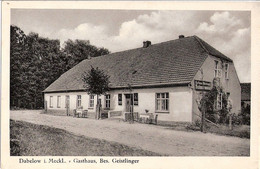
(91, 101)
(226, 70)
(219, 103)
(217, 70)
(78, 101)
(107, 101)
(58, 101)
(166, 99)
(51, 101)
(120, 99)
(136, 99)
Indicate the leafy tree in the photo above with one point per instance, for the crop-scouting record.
(45, 65)
(36, 62)
(17, 66)
(78, 50)
(96, 82)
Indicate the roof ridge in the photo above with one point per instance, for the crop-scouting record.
(209, 51)
(198, 39)
(138, 48)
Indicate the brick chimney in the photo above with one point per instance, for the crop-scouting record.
(181, 36)
(146, 44)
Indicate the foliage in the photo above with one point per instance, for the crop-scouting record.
(209, 100)
(242, 131)
(245, 114)
(95, 81)
(78, 50)
(36, 62)
(192, 127)
(237, 119)
(17, 57)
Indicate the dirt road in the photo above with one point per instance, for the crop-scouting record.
(148, 137)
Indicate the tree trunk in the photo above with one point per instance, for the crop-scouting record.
(230, 122)
(98, 109)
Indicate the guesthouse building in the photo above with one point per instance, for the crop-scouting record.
(165, 79)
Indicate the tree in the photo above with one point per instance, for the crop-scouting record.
(78, 50)
(96, 82)
(45, 66)
(17, 65)
(36, 62)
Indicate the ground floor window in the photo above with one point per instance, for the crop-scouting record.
(136, 99)
(51, 101)
(78, 100)
(218, 104)
(120, 99)
(91, 101)
(58, 101)
(162, 101)
(107, 100)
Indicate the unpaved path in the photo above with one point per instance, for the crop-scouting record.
(148, 137)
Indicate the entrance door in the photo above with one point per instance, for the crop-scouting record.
(67, 104)
(129, 103)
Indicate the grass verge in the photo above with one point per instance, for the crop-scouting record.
(28, 139)
(242, 131)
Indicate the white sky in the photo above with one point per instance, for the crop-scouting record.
(227, 31)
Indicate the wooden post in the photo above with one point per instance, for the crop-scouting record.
(202, 119)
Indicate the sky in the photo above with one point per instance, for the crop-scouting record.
(118, 30)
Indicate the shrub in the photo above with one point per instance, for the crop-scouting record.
(192, 127)
(245, 114)
(197, 123)
(237, 119)
(208, 103)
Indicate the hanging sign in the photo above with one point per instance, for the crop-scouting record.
(202, 85)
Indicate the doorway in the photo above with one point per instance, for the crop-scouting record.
(129, 102)
(67, 105)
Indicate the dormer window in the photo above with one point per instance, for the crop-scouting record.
(217, 71)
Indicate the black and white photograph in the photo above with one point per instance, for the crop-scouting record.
(126, 83)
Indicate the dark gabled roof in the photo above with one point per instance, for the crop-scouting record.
(245, 91)
(167, 63)
(212, 51)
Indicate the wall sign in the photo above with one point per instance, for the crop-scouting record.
(202, 85)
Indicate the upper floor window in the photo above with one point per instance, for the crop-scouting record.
(120, 99)
(107, 100)
(136, 99)
(226, 68)
(217, 71)
(78, 100)
(51, 101)
(58, 101)
(91, 101)
(162, 101)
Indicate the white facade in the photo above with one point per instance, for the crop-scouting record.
(179, 106)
